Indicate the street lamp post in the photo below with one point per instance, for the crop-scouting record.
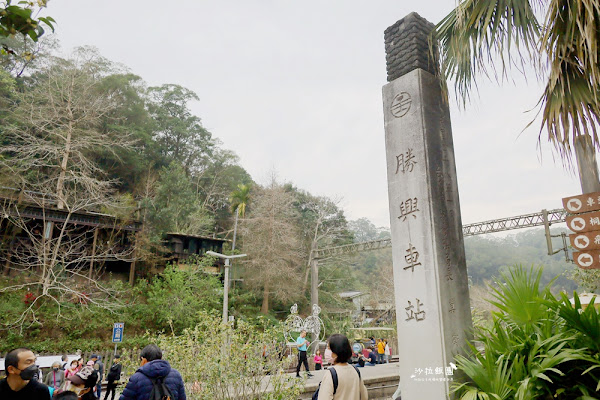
(225, 280)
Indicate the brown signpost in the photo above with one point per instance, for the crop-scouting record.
(586, 224)
(585, 241)
(582, 203)
(588, 259)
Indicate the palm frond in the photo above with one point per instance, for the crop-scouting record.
(570, 102)
(239, 199)
(478, 33)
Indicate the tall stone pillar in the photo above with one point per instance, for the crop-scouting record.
(430, 276)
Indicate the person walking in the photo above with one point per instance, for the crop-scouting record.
(350, 385)
(19, 384)
(113, 377)
(98, 366)
(153, 367)
(55, 377)
(380, 351)
(387, 352)
(302, 344)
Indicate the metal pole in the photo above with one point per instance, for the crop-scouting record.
(115, 349)
(314, 293)
(314, 282)
(226, 291)
(226, 277)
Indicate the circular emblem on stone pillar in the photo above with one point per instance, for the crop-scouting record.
(401, 104)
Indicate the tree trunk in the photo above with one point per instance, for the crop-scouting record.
(587, 167)
(264, 309)
(63, 168)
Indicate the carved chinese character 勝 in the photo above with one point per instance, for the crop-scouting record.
(405, 162)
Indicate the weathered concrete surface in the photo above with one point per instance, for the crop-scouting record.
(430, 276)
(407, 47)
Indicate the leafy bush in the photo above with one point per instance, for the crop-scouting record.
(218, 361)
(178, 297)
(536, 347)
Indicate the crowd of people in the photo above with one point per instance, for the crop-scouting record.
(343, 380)
(82, 381)
(79, 381)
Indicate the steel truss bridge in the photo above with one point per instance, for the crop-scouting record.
(543, 218)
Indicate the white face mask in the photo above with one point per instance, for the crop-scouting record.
(328, 356)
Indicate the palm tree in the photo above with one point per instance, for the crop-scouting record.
(239, 200)
(491, 37)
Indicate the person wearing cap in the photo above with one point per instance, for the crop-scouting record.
(55, 377)
(83, 383)
(113, 377)
(19, 384)
(98, 366)
(152, 366)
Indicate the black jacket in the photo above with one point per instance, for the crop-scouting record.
(115, 373)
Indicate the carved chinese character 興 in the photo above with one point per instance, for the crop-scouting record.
(418, 315)
(408, 207)
(405, 162)
(411, 257)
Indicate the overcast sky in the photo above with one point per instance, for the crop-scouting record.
(295, 87)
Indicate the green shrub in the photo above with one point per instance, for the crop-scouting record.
(536, 347)
(218, 361)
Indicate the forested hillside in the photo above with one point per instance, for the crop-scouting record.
(487, 255)
(82, 134)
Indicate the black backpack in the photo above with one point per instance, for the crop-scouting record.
(160, 391)
(334, 377)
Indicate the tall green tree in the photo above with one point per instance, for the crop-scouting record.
(176, 206)
(179, 133)
(239, 200)
(484, 37)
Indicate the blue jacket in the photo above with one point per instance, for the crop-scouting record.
(140, 385)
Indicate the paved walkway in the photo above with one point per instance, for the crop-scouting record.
(366, 373)
(374, 377)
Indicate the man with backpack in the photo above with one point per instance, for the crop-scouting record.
(155, 379)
